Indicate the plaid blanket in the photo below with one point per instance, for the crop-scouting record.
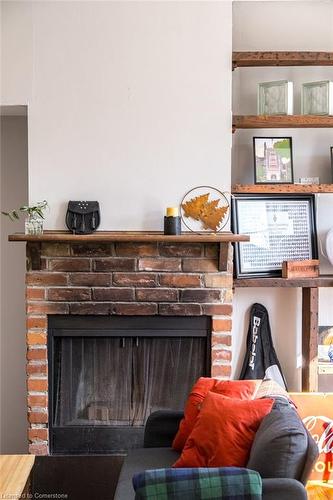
(216, 483)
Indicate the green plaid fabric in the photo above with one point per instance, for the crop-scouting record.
(201, 483)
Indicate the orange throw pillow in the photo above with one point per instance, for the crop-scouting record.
(224, 432)
(241, 389)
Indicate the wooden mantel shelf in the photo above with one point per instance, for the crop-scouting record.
(129, 236)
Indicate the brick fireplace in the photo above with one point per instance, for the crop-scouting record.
(121, 278)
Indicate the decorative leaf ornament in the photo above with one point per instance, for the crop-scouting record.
(195, 206)
(213, 218)
(209, 212)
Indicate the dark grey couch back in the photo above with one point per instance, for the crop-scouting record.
(282, 446)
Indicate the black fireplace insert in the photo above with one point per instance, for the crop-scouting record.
(108, 373)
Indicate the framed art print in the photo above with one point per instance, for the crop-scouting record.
(273, 160)
(281, 227)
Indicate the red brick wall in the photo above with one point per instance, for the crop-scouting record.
(123, 279)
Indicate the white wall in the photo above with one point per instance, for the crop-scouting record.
(282, 26)
(276, 25)
(14, 192)
(284, 306)
(129, 102)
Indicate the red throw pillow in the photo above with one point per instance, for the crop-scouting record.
(224, 432)
(241, 389)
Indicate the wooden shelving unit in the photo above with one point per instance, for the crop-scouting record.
(281, 121)
(310, 286)
(281, 188)
(259, 59)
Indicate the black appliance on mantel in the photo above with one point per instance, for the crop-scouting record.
(109, 373)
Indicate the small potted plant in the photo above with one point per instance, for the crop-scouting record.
(35, 216)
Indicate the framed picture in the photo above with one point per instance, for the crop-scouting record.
(331, 148)
(281, 227)
(273, 160)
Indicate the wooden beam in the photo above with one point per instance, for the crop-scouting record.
(321, 281)
(251, 59)
(281, 121)
(223, 256)
(282, 188)
(310, 339)
(33, 259)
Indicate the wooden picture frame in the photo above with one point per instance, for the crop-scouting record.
(281, 227)
(273, 160)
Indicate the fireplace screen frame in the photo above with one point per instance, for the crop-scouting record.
(81, 439)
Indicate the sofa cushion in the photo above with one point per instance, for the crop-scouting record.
(202, 484)
(280, 445)
(161, 428)
(224, 432)
(241, 389)
(140, 460)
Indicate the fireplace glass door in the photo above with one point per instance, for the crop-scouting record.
(107, 380)
(120, 381)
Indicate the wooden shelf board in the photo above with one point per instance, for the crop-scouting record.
(129, 236)
(281, 121)
(252, 59)
(321, 281)
(281, 188)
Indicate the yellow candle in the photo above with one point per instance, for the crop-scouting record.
(172, 212)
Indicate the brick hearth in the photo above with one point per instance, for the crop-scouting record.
(177, 279)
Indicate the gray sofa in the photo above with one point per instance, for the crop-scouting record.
(283, 453)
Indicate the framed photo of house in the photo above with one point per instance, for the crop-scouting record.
(281, 227)
(273, 160)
